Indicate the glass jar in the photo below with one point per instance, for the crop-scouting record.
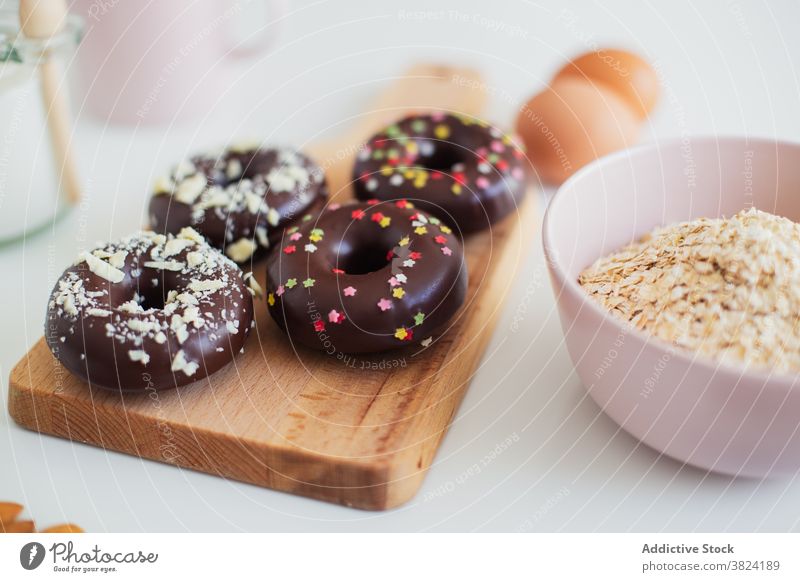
(30, 196)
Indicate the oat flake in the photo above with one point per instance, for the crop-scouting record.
(728, 288)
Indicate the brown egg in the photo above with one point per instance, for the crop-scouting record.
(626, 73)
(571, 123)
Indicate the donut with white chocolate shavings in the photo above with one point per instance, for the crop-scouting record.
(240, 199)
(150, 312)
(457, 167)
(366, 277)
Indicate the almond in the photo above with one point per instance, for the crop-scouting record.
(19, 527)
(9, 511)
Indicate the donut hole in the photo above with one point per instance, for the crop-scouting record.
(363, 259)
(255, 164)
(441, 159)
(152, 298)
(153, 287)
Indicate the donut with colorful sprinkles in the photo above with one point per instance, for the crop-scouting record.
(239, 199)
(150, 312)
(366, 277)
(461, 169)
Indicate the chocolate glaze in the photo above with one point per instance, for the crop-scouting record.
(459, 168)
(149, 312)
(366, 277)
(243, 193)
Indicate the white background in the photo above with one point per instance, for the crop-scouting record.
(728, 67)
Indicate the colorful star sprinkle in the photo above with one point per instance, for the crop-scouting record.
(419, 318)
(421, 230)
(357, 214)
(385, 221)
(319, 325)
(335, 317)
(426, 342)
(308, 283)
(440, 240)
(280, 290)
(316, 235)
(349, 291)
(398, 292)
(403, 334)
(290, 283)
(295, 236)
(271, 299)
(446, 251)
(290, 249)
(384, 304)
(310, 248)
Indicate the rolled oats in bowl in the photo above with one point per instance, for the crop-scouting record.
(728, 288)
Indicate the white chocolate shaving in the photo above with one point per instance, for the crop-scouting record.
(139, 356)
(194, 259)
(241, 250)
(261, 233)
(234, 169)
(189, 189)
(163, 185)
(97, 312)
(252, 285)
(166, 265)
(142, 326)
(117, 260)
(102, 269)
(181, 364)
(186, 298)
(244, 146)
(206, 285)
(188, 233)
(131, 307)
(176, 245)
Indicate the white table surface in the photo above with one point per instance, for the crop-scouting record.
(728, 67)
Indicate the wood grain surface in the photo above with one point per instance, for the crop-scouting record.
(357, 431)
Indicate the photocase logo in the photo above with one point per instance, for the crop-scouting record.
(31, 555)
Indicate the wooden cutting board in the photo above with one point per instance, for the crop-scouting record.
(362, 431)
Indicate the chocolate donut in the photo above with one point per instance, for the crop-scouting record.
(366, 277)
(459, 168)
(149, 312)
(239, 200)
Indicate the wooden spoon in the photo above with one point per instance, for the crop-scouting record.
(41, 20)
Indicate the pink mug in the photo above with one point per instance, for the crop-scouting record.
(160, 61)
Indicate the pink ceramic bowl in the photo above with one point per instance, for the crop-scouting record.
(722, 417)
